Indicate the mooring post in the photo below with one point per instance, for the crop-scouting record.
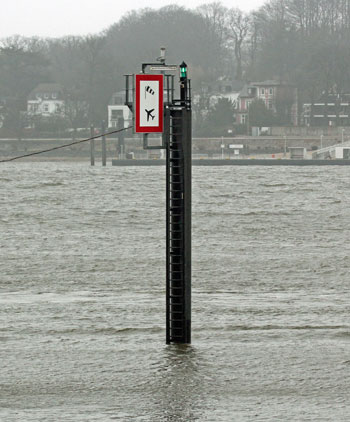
(104, 154)
(121, 138)
(92, 146)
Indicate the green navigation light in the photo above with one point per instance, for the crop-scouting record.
(183, 70)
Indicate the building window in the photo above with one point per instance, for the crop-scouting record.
(46, 108)
(46, 96)
(243, 118)
(262, 91)
(116, 114)
(54, 95)
(271, 91)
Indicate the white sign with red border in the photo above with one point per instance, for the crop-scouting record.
(148, 103)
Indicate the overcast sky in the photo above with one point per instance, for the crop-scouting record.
(55, 18)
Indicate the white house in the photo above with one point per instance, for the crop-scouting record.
(117, 110)
(46, 100)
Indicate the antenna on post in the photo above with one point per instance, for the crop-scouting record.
(161, 58)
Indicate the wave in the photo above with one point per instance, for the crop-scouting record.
(105, 330)
(273, 185)
(43, 185)
(277, 327)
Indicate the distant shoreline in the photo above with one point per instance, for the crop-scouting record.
(237, 162)
(195, 162)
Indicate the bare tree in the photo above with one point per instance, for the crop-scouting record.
(92, 55)
(239, 25)
(214, 15)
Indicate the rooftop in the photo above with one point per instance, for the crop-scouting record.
(269, 83)
(45, 88)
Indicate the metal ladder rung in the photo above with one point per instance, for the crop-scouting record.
(177, 336)
(180, 278)
(178, 311)
(178, 287)
(178, 327)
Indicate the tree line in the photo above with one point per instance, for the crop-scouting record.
(302, 42)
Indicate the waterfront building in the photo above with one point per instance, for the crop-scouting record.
(46, 99)
(329, 110)
(280, 97)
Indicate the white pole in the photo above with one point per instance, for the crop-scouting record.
(321, 141)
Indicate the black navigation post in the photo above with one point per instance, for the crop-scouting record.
(177, 140)
(178, 216)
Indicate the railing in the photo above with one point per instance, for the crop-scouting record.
(330, 148)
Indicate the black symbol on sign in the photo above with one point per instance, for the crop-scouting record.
(149, 90)
(149, 114)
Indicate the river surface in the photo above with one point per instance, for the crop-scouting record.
(82, 295)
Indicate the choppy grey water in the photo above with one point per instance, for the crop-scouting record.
(82, 296)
